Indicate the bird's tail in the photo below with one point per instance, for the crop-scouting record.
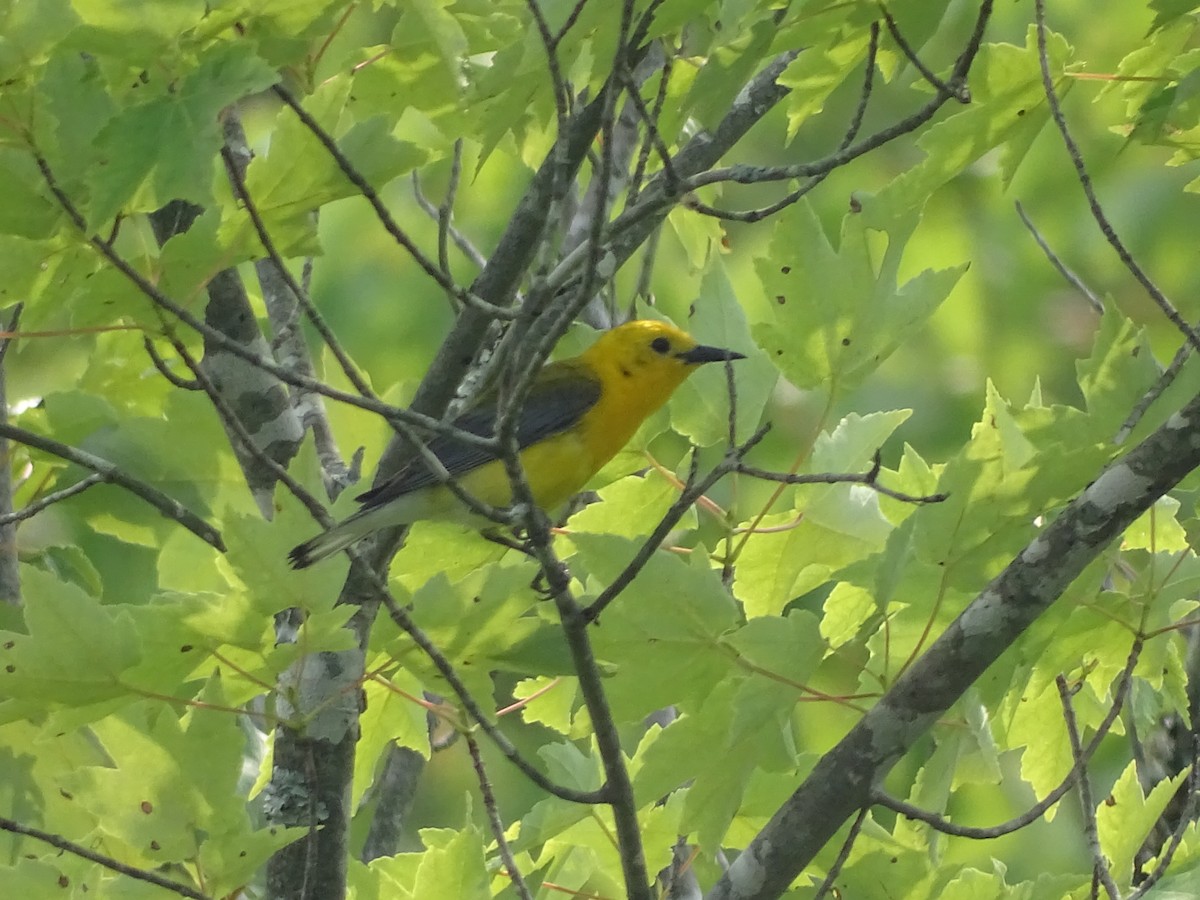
(322, 546)
(337, 538)
(402, 511)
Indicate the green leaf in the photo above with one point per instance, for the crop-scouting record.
(28, 31)
(76, 651)
(1006, 84)
(816, 72)
(661, 634)
(719, 778)
(783, 653)
(550, 702)
(630, 507)
(1117, 374)
(834, 315)
(1157, 529)
(1125, 820)
(452, 868)
(700, 408)
(173, 137)
(389, 717)
(833, 525)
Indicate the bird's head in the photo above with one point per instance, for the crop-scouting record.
(652, 356)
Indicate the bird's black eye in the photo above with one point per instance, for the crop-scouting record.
(660, 345)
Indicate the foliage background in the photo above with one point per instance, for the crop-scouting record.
(1010, 321)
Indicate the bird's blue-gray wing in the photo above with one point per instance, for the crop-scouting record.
(556, 402)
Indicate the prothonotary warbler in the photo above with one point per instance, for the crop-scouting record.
(578, 414)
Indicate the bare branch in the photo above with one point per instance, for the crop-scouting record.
(10, 568)
(1165, 380)
(164, 369)
(958, 90)
(494, 820)
(691, 493)
(1085, 181)
(368, 192)
(1072, 279)
(469, 250)
(29, 510)
(108, 862)
(111, 474)
(867, 479)
(1100, 868)
(843, 855)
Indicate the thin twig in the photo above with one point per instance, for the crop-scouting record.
(567, 25)
(110, 473)
(653, 137)
(562, 99)
(691, 493)
(1072, 279)
(1099, 863)
(643, 158)
(31, 509)
(864, 93)
(843, 854)
(108, 862)
(446, 209)
(368, 192)
(1085, 181)
(184, 384)
(866, 479)
(958, 90)
(1165, 380)
(494, 820)
(469, 250)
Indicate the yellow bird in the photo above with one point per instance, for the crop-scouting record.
(578, 414)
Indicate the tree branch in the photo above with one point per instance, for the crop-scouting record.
(111, 474)
(108, 862)
(842, 780)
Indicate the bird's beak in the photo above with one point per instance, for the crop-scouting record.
(705, 354)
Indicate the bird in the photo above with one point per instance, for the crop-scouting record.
(579, 412)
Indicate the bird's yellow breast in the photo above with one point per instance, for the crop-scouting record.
(556, 468)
